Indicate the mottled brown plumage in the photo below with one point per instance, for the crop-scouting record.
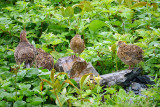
(77, 44)
(44, 59)
(25, 52)
(129, 54)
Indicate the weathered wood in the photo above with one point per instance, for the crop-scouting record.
(76, 67)
(114, 78)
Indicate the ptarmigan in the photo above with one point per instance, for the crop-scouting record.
(77, 44)
(44, 59)
(25, 52)
(129, 54)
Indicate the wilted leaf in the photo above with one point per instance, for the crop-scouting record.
(139, 4)
(155, 6)
(47, 82)
(41, 85)
(52, 75)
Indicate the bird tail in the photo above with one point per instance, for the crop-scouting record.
(27, 65)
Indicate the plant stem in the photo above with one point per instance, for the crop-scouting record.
(58, 99)
(16, 85)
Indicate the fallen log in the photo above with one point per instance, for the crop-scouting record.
(76, 67)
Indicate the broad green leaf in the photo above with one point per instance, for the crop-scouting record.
(9, 8)
(34, 100)
(122, 93)
(84, 80)
(32, 72)
(3, 103)
(7, 84)
(68, 12)
(110, 90)
(19, 104)
(128, 2)
(24, 86)
(84, 5)
(96, 24)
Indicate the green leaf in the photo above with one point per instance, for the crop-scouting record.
(84, 80)
(96, 24)
(24, 86)
(7, 84)
(119, 1)
(20, 75)
(68, 12)
(77, 90)
(110, 90)
(19, 104)
(32, 72)
(34, 100)
(86, 5)
(128, 2)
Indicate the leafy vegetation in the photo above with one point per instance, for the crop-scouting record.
(51, 24)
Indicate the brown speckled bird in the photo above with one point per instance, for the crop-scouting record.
(25, 52)
(44, 59)
(129, 54)
(77, 44)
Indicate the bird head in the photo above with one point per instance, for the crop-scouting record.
(23, 33)
(120, 43)
(78, 36)
(23, 36)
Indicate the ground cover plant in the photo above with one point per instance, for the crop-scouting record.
(50, 25)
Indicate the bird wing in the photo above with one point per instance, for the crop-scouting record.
(24, 52)
(133, 51)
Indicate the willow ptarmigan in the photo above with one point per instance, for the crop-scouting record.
(129, 54)
(77, 44)
(44, 59)
(25, 52)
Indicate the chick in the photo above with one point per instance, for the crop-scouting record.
(129, 54)
(77, 44)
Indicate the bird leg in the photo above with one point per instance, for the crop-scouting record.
(129, 67)
(27, 65)
(78, 54)
(74, 56)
